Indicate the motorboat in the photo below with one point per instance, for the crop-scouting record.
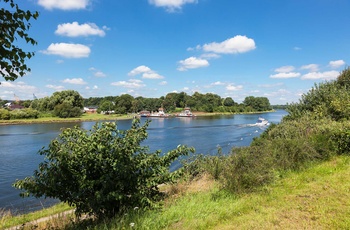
(261, 122)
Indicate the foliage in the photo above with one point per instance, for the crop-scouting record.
(66, 103)
(328, 99)
(4, 114)
(257, 103)
(66, 110)
(24, 114)
(102, 171)
(14, 24)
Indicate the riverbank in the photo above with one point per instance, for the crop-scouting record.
(314, 198)
(98, 117)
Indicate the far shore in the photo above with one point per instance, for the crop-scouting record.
(98, 117)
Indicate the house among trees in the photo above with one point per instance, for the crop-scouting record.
(90, 109)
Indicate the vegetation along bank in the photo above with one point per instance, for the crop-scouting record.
(115, 176)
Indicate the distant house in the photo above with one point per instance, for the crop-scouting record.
(90, 109)
(13, 106)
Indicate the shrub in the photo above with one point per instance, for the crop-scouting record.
(4, 114)
(247, 169)
(102, 171)
(24, 114)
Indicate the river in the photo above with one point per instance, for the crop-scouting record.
(19, 145)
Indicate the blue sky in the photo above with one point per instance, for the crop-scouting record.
(233, 48)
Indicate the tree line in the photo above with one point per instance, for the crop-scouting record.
(69, 103)
(174, 102)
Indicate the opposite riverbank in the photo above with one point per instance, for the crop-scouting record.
(97, 117)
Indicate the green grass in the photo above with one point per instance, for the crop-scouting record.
(7, 220)
(84, 117)
(315, 198)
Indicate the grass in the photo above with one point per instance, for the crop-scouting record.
(7, 220)
(84, 117)
(315, 198)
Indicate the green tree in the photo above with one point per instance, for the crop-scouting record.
(228, 101)
(66, 110)
(70, 97)
(102, 171)
(14, 24)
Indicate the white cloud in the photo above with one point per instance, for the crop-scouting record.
(95, 87)
(192, 63)
(152, 75)
(21, 86)
(285, 69)
(232, 87)
(285, 75)
(146, 73)
(74, 81)
(328, 75)
(64, 4)
(163, 83)
(218, 83)
(75, 30)
(336, 64)
(68, 50)
(310, 67)
(237, 44)
(99, 74)
(132, 83)
(171, 5)
(139, 70)
(296, 48)
(55, 87)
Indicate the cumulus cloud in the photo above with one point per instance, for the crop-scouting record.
(192, 63)
(237, 44)
(328, 75)
(171, 5)
(74, 81)
(285, 75)
(146, 72)
(75, 30)
(218, 83)
(310, 67)
(132, 83)
(285, 72)
(68, 50)
(336, 64)
(64, 4)
(21, 86)
(55, 87)
(285, 69)
(232, 87)
(21, 89)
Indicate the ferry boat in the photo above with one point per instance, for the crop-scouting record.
(160, 114)
(186, 113)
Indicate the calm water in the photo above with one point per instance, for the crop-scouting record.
(19, 145)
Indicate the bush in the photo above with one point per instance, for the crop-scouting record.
(103, 171)
(24, 114)
(4, 114)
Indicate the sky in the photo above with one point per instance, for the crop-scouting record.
(233, 48)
